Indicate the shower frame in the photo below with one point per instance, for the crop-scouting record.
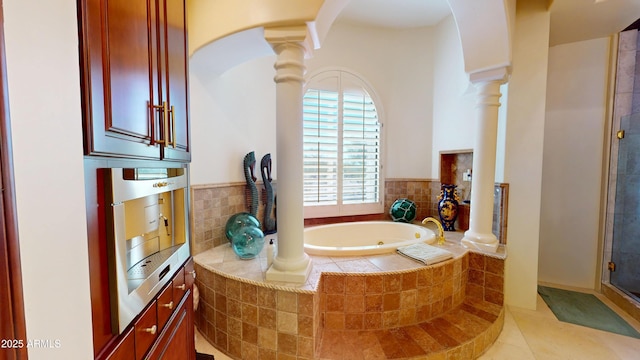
(624, 59)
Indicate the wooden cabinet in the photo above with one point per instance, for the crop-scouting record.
(125, 350)
(164, 330)
(146, 330)
(179, 287)
(177, 336)
(134, 78)
(189, 274)
(166, 305)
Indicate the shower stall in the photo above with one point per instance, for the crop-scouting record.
(625, 250)
(621, 273)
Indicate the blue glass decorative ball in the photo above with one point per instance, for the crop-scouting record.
(237, 221)
(403, 210)
(247, 242)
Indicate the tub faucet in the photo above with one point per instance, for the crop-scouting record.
(440, 236)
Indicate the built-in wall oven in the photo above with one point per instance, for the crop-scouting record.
(148, 232)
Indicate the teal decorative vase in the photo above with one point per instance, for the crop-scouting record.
(238, 221)
(247, 242)
(403, 210)
(448, 206)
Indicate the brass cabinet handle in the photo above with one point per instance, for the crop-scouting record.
(169, 305)
(193, 273)
(163, 109)
(173, 127)
(165, 119)
(152, 330)
(181, 287)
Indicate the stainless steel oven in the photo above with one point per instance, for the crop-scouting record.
(148, 235)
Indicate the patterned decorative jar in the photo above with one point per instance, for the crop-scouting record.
(403, 210)
(448, 206)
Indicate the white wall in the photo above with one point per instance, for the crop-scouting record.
(399, 66)
(409, 119)
(234, 113)
(231, 115)
(453, 96)
(524, 135)
(44, 96)
(573, 150)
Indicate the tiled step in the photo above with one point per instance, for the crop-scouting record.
(465, 332)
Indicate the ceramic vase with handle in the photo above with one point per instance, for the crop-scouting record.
(448, 206)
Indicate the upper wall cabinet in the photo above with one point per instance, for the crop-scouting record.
(134, 78)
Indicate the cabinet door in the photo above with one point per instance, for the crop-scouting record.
(179, 287)
(146, 330)
(166, 305)
(120, 77)
(189, 274)
(174, 89)
(125, 350)
(177, 341)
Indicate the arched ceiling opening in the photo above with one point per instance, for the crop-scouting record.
(238, 35)
(213, 20)
(485, 30)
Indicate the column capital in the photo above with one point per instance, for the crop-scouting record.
(292, 34)
(498, 74)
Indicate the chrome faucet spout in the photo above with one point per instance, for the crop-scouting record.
(440, 236)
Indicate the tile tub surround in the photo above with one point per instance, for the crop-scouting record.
(246, 317)
(423, 192)
(213, 204)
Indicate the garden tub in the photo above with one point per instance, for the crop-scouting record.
(363, 238)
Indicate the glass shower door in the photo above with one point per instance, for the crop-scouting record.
(626, 223)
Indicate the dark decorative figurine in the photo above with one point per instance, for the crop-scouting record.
(251, 189)
(448, 206)
(270, 225)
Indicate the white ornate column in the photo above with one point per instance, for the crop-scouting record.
(291, 263)
(480, 235)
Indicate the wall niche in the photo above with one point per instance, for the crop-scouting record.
(454, 167)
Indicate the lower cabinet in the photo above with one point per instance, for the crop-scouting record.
(146, 330)
(125, 350)
(164, 330)
(177, 336)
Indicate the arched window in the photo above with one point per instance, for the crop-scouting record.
(342, 147)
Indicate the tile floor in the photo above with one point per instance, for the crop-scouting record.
(537, 334)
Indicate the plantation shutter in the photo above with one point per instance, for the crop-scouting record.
(360, 149)
(341, 147)
(320, 147)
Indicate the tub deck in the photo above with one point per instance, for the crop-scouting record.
(222, 259)
(452, 308)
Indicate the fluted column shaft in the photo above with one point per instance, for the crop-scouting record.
(291, 263)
